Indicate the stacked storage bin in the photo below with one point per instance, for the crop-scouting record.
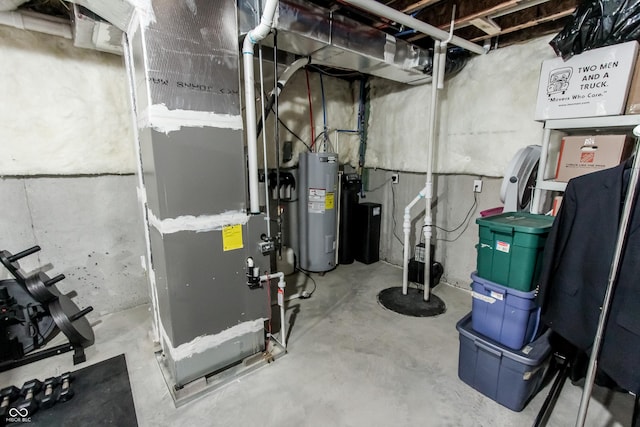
(498, 355)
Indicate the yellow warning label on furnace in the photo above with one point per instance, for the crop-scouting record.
(329, 201)
(232, 237)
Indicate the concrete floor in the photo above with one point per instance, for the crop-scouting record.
(350, 363)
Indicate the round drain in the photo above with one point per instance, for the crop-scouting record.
(412, 304)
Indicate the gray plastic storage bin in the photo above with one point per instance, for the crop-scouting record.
(503, 314)
(509, 377)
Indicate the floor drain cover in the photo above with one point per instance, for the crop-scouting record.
(412, 304)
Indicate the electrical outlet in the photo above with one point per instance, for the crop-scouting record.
(395, 178)
(477, 185)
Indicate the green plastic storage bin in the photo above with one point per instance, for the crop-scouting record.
(510, 248)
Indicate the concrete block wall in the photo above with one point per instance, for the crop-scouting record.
(89, 229)
(453, 202)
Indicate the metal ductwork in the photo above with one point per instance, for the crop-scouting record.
(308, 30)
(90, 31)
(117, 12)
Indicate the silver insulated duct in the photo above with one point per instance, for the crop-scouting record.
(184, 68)
(92, 32)
(309, 30)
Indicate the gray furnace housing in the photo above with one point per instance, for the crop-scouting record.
(318, 198)
(184, 70)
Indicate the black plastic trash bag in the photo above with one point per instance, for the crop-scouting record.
(598, 23)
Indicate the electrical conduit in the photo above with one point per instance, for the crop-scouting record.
(253, 37)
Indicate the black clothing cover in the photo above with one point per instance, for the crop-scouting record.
(575, 272)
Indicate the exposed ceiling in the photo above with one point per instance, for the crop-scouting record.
(499, 22)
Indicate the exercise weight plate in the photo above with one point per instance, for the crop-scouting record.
(37, 286)
(78, 331)
(46, 327)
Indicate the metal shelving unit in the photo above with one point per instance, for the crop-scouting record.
(593, 125)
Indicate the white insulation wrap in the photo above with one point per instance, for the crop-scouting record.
(198, 224)
(486, 115)
(65, 110)
(206, 342)
(161, 119)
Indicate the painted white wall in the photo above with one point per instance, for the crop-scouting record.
(485, 115)
(64, 110)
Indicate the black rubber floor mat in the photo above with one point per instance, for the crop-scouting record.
(412, 304)
(102, 397)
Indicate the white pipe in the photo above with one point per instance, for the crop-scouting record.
(281, 286)
(253, 37)
(431, 140)
(290, 71)
(406, 227)
(35, 23)
(443, 48)
(379, 9)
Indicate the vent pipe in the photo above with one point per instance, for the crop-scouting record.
(253, 37)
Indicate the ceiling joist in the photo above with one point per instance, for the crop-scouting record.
(529, 24)
(419, 5)
(495, 17)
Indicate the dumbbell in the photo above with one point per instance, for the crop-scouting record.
(7, 395)
(66, 393)
(29, 391)
(49, 395)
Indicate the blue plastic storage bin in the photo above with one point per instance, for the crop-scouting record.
(507, 376)
(504, 314)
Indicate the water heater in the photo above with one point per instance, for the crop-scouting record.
(317, 207)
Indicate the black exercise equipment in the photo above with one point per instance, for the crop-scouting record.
(71, 321)
(42, 288)
(29, 391)
(32, 311)
(66, 393)
(7, 396)
(27, 321)
(11, 262)
(49, 392)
